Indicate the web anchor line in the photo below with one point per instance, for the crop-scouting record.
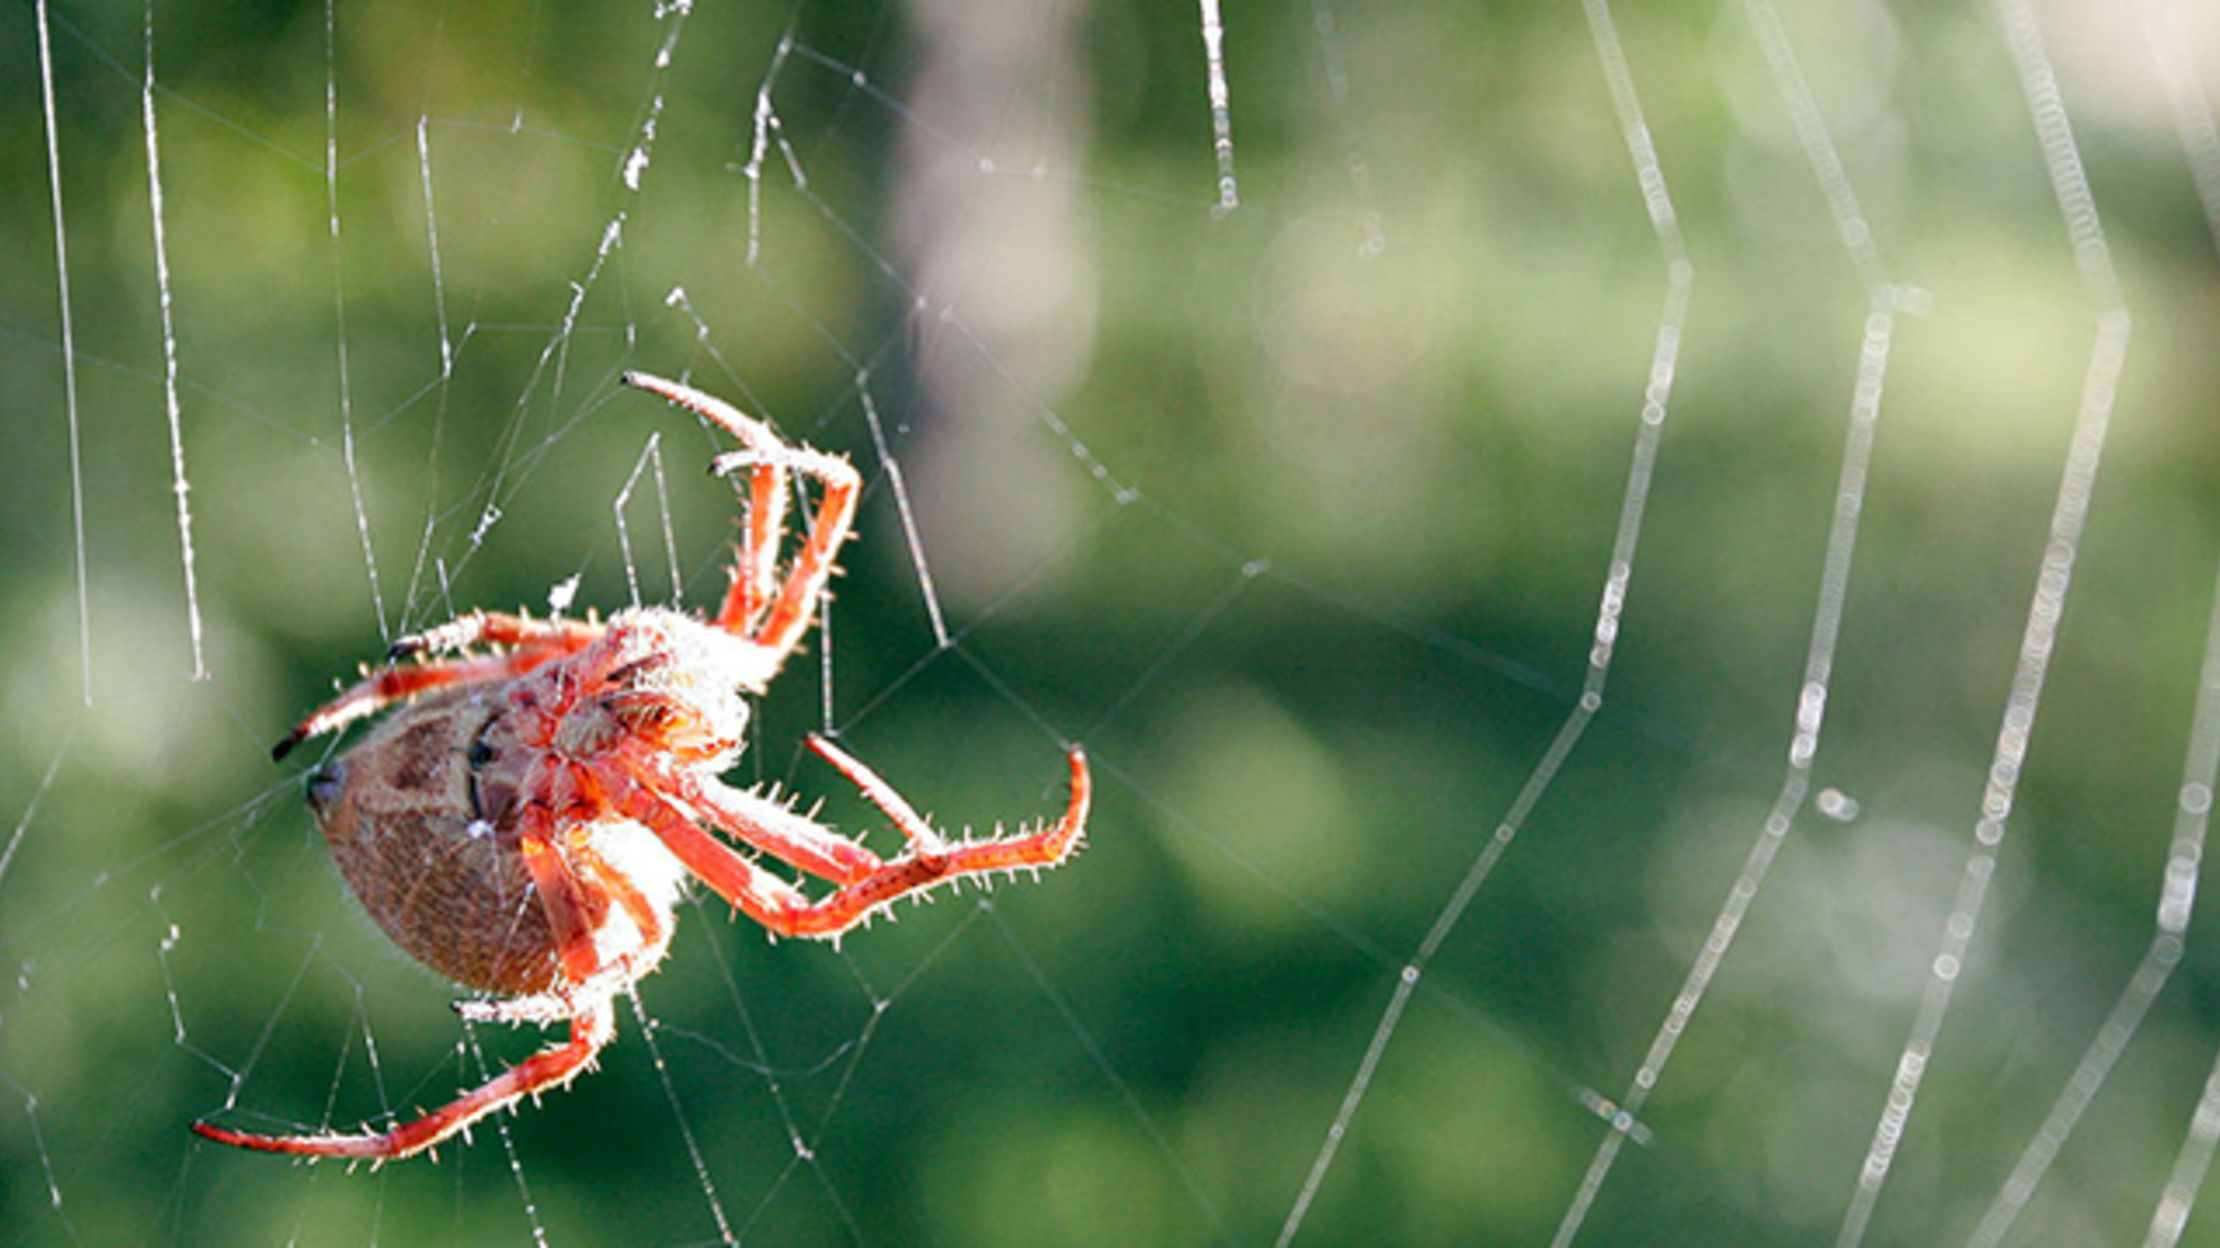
(69, 350)
(2046, 605)
(648, 1028)
(1619, 574)
(46, 1157)
(1803, 750)
(902, 508)
(551, 366)
(178, 485)
(1093, 1049)
(768, 130)
(1884, 302)
(31, 808)
(432, 254)
(2170, 925)
(1221, 108)
(508, 1145)
(2163, 30)
(339, 317)
(650, 459)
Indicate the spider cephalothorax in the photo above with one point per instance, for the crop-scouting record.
(526, 823)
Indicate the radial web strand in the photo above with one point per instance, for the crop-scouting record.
(2176, 903)
(69, 348)
(1833, 593)
(339, 315)
(1657, 395)
(2039, 640)
(2166, 35)
(1221, 107)
(169, 354)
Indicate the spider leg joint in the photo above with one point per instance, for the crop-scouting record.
(736, 461)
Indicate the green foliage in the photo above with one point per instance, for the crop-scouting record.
(1407, 373)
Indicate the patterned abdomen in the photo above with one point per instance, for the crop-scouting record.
(401, 812)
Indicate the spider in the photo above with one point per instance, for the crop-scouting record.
(526, 823)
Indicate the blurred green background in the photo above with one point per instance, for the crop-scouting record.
(1297, 516)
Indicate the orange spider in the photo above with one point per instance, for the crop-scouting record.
(526, 824)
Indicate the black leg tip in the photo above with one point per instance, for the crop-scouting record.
(285, 747)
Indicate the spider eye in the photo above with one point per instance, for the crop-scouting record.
(478, 755)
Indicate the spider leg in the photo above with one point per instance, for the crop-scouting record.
(780, 907)
(786, 609)
(577, 950)
(592, 1026)
(755, 566)
(758, 893)
(562, 894)
(766, 823)
(542, 1008)
(615, 883)
(924, 839)
(497, 628)
(755, 562)
(388, 685)
(791, 612)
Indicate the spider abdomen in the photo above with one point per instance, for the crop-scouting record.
(421, 820)
(442, 880)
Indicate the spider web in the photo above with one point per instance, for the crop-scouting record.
(1640, 586)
